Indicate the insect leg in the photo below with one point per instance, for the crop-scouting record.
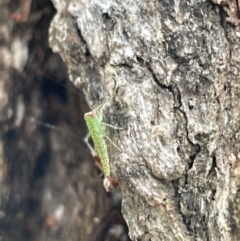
(93, 152)
(110, 183)
(109, 139)
(101, 106)
(100, 109)
(111, 126)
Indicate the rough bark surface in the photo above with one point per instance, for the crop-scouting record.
(170, 72)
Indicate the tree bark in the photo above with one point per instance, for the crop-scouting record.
(49, 186)
(169, 70)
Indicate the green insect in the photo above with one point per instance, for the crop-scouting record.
(97, 129)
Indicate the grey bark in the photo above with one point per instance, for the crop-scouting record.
(49, 186)
(169, 70)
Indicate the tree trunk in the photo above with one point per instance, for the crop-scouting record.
(49, 186)
(169, 70)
